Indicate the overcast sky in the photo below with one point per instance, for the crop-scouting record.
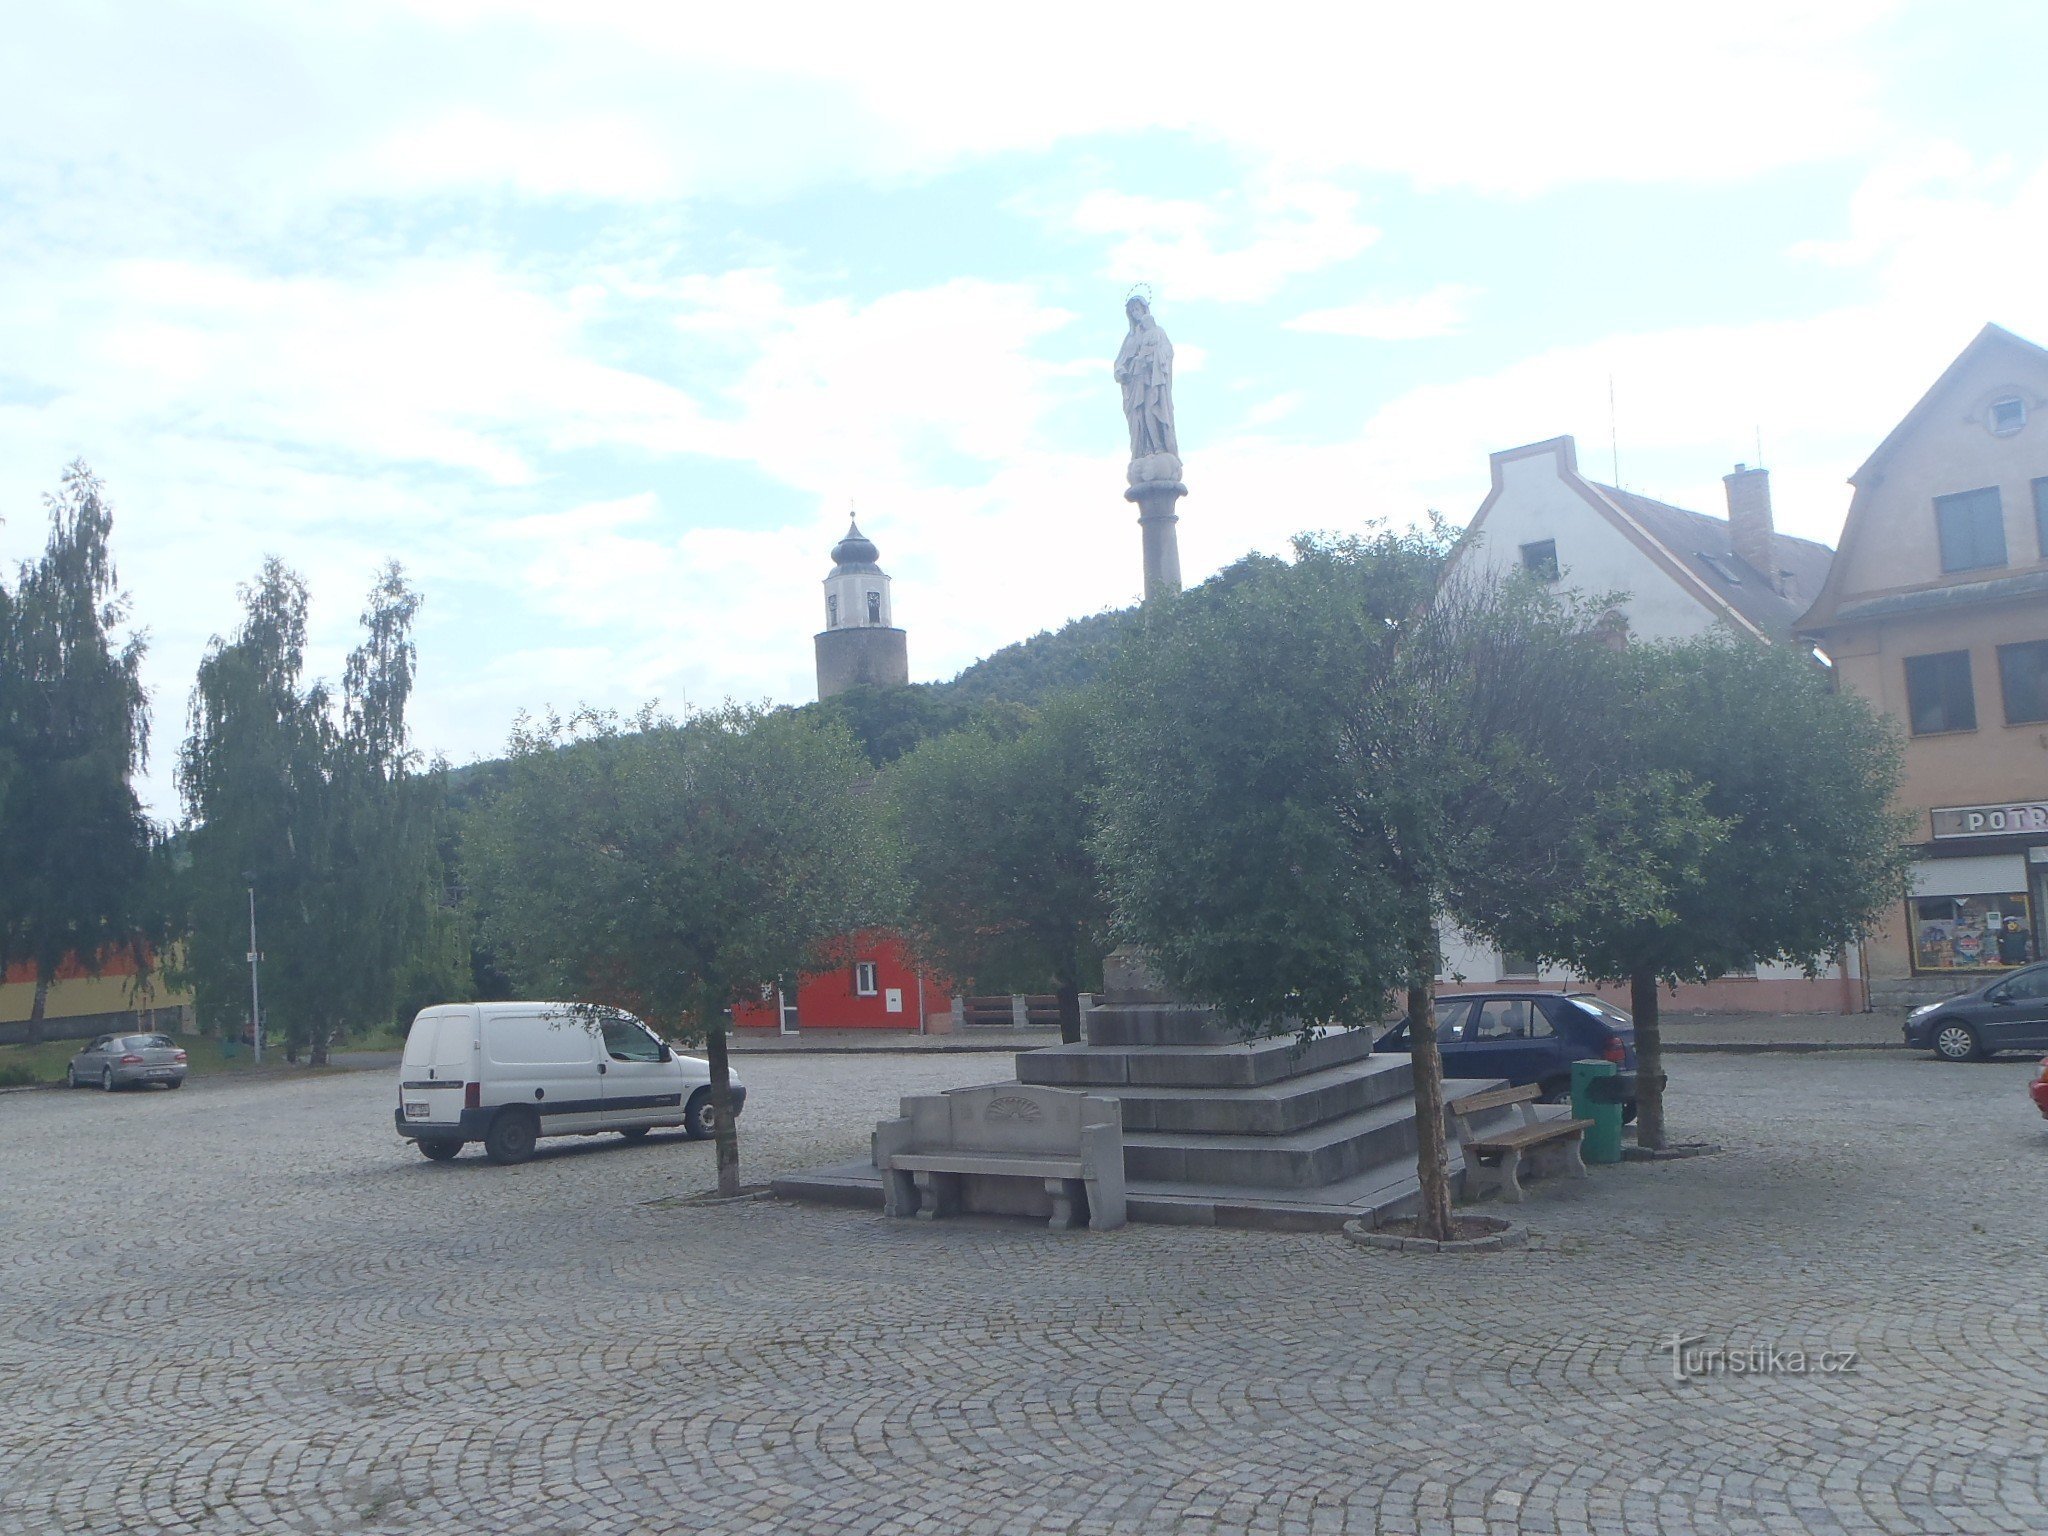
(599, 316)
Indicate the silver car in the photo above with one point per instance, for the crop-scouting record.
(122, 1061)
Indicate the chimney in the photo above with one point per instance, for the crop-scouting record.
(1749, 521)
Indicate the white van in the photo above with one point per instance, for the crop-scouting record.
(506, 1074)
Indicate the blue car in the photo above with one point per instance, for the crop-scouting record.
(1527, 1036)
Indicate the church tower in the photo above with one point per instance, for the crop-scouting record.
(860, 644)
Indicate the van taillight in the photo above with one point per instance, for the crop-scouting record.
(472, 1096)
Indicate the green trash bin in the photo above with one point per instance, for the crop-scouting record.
(1594, 1098)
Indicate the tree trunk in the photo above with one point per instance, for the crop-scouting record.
(1070, 1012)
(724, 1130)
(1642, 1002)
(1432, 1156)
(318, 1053)
(37, 1008)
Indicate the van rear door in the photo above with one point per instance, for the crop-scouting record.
(435, 1068)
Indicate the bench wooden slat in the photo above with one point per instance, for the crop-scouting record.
(993, 1162)
(1496, 1098)
(1528, 1135)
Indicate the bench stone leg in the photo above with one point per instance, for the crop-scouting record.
(1510, 1175)
(899, 1193)
(938, 1194)
(1574, 1164)
(1105, 1201)
(1062, 1192)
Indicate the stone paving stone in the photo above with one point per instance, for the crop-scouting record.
(247, 1307)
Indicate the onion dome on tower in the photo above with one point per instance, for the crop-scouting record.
(859, 645)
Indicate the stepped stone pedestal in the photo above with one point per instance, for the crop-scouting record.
(1307, 1131)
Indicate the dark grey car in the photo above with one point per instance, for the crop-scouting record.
(2006, 1013)
(124, 1061)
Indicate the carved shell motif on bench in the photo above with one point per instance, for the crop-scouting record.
(1013, 1107)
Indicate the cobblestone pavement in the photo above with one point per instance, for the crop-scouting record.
(247, 1307)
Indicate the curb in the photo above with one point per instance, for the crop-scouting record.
(1767, 1047)
(1679, 1153)
(1511, 1235)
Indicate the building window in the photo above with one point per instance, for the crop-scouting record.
(1972, 529)
(1518, 967)
(1938, 693)
(864, 979)
(2023, 678)
(1540, 559)
(832, 611)
(2007, 416)
(2041, 518)
(1971, 933)
(874, 607)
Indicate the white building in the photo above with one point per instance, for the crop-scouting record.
(1683, 574)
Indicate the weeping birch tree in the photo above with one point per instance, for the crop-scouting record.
(75, 846)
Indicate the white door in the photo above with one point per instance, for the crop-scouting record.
(549, 1061)
(642, 1084)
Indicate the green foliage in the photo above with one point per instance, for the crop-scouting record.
(888, 722)
(320, 805)
(995, 829)
(1074, 657)
(1311, 763)
(75, 847)
(675, 868)
(1799, 777)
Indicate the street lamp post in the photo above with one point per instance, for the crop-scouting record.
(255, 990)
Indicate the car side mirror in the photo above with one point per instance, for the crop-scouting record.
(666, 1053)
(1998, 995)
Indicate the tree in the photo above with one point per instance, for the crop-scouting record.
(676, 868)
(995, 830)
(1799, 776)
(1310, 766)
(75, 846)
(319, 806)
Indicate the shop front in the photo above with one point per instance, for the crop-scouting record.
(1979, 895)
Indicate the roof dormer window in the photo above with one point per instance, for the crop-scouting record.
(2007, 416)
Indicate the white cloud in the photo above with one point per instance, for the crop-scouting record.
(1233, 247)
(1442, 311)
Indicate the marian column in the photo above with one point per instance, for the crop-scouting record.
(1144, 367)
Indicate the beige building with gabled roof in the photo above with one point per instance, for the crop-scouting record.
(1936, 610)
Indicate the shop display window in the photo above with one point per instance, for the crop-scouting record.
(1972, 933)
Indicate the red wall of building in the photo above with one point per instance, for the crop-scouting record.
(827, 999)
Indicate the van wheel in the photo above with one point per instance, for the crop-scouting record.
(699, 1122)
(635, 1132)
(438, 1149)
(512, 1135)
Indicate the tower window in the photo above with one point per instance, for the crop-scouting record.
(832, 611)
(874, 607)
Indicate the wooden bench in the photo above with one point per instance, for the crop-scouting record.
(969, 1150)
(1494, 1160)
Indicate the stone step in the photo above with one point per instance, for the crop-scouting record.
(1322, 1154)
(1270, 1109)
(1193, 1066)
(1122, 1022)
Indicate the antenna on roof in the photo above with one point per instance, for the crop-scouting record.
(1613, 432)
(1759, 446)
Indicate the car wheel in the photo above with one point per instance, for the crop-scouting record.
(1628, 1113)
(634, 1132)
(1957, 1042)
(438, 1149)
(71, 1075)
(176, 1082)
(1555, 1090)
(106, 1079)
(699, 1123)
(512, 1136)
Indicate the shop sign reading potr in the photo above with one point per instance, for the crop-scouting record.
(1991, 820)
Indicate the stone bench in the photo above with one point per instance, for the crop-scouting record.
(1493, 1160)
(1009, 1148)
